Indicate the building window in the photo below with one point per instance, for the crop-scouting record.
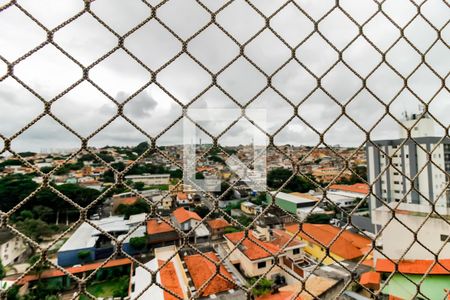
(261, 265)
(296, 251)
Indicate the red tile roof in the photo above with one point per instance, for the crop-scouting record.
(75, 270)
(371, 280)
(155, 226)
(361, 188)
(128, 200)
(169, 280)
(348, 245)
(414, 266)
(218, 223)
(182, 196)
(182, 215)
(256, 249)
(201, 270)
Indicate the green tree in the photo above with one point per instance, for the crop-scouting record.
(43, 212)
(2, 270)
(263, 287)
(139, 186)
(84, 255)
(26, 214)
(202, 211)
(319, 219)
(35, 229)
(277, 177)
(138, 243)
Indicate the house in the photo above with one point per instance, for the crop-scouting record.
(164, 201)
(217, 227)
(250, 208)
(297, 204)
(94, 244)
(343, 245)
(12, 248)
(164, 231)
(160, 232)
(171, 276)
(184, 198)
(254, 255)
(331, 173)
(185, 219)
(204, 272)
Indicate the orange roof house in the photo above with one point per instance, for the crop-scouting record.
(182, 215)
(348, 245)
(156, 226)
(218, 224)
(256, 249)
(202, 270)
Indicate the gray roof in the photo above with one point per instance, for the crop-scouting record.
(85, 236)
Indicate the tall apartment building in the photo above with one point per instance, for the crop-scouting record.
(411, 164)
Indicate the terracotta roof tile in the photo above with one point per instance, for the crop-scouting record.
(414, 266)
(348, 245)
(169, 280)
(201, 270)
(155, 226)
(182, 196)
(218, 223)
(128, 200)
(361, 188)
(75, 270)
(249, 246)
(182, 215)
(371, 280)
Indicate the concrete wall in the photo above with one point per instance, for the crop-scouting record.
(396, 238)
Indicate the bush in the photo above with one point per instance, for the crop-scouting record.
(84, 255)
(138, 243)
(263, 287)
(319, 219)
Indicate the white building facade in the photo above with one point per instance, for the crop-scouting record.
(411, 166)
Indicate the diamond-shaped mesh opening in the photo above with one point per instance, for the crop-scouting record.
(339, 108)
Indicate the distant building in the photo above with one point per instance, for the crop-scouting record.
(409, 158)
(150, 179)
(298, 204)
(184, 198)
(250, 208)
(346, 195)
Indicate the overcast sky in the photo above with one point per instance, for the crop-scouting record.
(85, 109)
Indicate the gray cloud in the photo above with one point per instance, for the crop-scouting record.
(85, 109)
